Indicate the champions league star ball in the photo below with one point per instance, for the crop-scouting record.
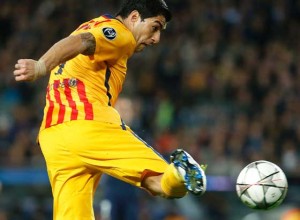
(261, 185)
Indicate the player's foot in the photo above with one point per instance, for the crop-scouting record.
(192, 173)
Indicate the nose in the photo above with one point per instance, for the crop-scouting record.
(156, 37)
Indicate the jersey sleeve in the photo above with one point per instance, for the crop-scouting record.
(112, 43)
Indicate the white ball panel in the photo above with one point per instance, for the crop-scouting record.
(238, 190)
(266, 168)
(256, 193)
(272, 195)
(252, 176)
(247, 201)
(280, 179)
(241, 177)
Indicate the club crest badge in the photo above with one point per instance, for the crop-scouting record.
(109, 33)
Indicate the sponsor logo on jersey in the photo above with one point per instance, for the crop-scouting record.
(109, 33)
(72, 82)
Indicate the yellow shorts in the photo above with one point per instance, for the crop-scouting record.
(78, 152)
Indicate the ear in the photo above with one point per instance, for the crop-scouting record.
(134, 16)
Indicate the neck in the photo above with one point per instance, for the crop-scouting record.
(125, 22)
(119, 18)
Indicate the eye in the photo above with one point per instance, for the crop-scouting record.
(155, 28)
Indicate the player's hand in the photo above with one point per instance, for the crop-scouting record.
(25, 70)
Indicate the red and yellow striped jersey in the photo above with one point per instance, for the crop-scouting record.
(87, 87)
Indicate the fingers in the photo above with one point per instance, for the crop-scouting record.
(21, 78)
(19, 66)
(21, 63)
(19, 70)
(23, 70)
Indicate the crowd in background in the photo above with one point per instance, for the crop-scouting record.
(224, 82)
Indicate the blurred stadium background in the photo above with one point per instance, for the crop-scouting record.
(224, 84)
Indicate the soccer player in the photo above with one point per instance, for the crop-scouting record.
(82, 135)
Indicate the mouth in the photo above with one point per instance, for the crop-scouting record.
(142, 46)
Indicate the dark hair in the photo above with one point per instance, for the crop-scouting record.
(146, 8)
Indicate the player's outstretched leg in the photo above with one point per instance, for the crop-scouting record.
(191, 172)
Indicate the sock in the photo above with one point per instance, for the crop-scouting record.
(172, 183)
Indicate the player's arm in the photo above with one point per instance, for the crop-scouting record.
(60, 52)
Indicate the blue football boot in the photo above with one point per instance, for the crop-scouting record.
(192, 173)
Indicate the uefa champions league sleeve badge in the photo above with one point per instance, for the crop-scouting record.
(109, 33)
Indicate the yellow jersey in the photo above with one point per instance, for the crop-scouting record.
(87, 87)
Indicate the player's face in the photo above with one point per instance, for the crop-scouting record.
(147, 32)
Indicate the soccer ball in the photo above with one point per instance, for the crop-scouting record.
(262, 185)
